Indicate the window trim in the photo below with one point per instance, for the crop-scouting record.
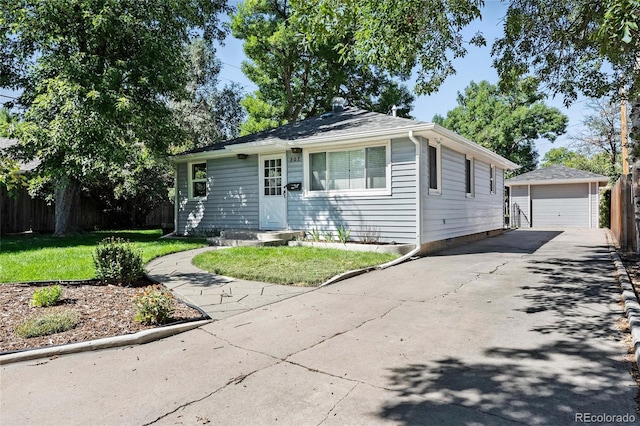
(347, 192)
(192, 180)
(438, 146)
(472, 178)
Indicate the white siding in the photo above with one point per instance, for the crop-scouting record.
(451, 213)
(519, 196)
(563, 205)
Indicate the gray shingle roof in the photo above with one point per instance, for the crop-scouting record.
(556, 173)
(6, 143)
(350, 121)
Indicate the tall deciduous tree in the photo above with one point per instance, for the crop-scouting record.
(601, 133)
(96, 77)
(596, 163)
(208, 113)
(296, 79)
(507, 123)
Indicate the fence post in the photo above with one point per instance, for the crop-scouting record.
(635, 190)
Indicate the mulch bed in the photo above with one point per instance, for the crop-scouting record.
(105, 311)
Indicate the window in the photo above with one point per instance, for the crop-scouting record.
(492, 179)
(197, 180)
(468, 176)
(361, 169)
(434, 169)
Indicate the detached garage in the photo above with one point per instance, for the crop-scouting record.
(555, 197)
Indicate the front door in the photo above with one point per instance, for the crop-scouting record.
(273, 201)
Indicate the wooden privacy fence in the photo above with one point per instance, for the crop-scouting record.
(23, 213)
(622, 214)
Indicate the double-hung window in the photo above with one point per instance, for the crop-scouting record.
(353, 170)
(198, 180)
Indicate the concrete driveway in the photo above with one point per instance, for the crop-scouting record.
(516, 329)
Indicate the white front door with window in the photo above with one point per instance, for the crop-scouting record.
(273, 201)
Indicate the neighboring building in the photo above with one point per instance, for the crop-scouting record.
(555, 197)
(6, 143)
(408, 181)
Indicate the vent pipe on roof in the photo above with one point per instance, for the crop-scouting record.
(338, 104)
(394, 111)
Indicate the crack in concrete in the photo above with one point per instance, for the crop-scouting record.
(337, 403)
(233, 381)
(346, 331)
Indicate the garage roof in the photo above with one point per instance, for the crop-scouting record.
(555, 174)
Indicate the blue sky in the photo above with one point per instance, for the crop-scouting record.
(476, 66)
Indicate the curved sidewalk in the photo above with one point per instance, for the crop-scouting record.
(217, 295)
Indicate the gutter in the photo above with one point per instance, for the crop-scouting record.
(176, 199)
(416, 250)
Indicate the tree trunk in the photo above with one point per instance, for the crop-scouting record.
(67, 207)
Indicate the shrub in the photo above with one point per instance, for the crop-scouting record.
(47, 296)
(116, 262)
(153, 305)
(49, 322)
(605, 208)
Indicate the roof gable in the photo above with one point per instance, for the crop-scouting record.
(556, 173)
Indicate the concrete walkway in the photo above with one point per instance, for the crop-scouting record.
(516, 329)
(218, 296)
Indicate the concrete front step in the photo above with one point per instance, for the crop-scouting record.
(224, 242)
(253, 238)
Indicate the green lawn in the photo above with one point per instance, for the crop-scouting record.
(308, 266)
(36, 257)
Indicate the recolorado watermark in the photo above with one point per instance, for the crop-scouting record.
(604, 418)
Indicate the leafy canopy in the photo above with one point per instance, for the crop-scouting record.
(95, 79)
(395, 36)
(574, 47)
(296, 79)
(507, 123)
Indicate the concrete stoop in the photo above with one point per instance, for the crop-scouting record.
(252, 238)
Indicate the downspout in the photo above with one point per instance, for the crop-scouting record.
(175, 206)
(416, 250)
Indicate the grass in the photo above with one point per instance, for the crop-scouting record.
(307, 266)
(36, 257)
(48, 322)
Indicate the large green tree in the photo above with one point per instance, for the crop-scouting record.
(208, 113)
(296, 79)
(507, 123)
(596, 163)
(95, 79)
(601, 133)
(397, 36)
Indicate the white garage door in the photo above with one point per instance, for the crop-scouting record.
(560, 205)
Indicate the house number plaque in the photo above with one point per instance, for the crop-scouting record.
(295, 159)
(294, 186)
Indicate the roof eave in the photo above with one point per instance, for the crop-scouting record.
(554, 181)
(428, 130)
